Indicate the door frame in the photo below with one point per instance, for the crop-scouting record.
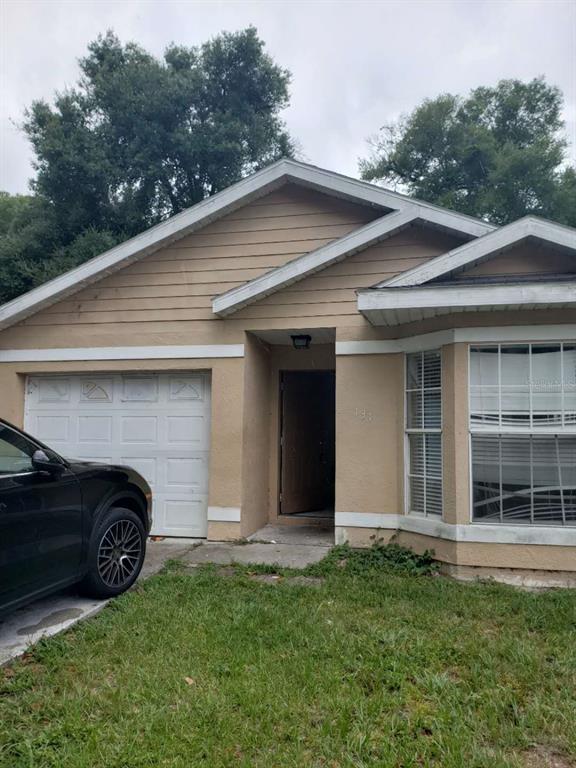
(280, 446)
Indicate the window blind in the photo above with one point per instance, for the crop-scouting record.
(424, 432)
(523, 425)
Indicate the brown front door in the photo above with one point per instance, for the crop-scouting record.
(307, 443)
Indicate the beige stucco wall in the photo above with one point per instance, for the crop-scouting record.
(455, 441)
(369, 433)
(219, 531)
(256, 436)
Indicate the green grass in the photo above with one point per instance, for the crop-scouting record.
(376, 666)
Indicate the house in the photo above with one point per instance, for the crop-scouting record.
(308, 348)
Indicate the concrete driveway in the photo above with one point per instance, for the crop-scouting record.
(54, 614)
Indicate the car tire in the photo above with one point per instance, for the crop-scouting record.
(116, 554)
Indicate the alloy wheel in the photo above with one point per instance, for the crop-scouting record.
(119, 553)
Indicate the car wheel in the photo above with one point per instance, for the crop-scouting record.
(116, 553)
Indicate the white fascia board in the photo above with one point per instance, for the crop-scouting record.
(479, 335)
(345, 186)
(458, 297)
(420, 343)
(482, 248)
(479, 533)
(194, 352)
(361, 238)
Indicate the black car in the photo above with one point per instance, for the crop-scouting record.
(64, 521)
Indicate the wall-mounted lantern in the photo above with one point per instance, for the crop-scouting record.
(301, 341)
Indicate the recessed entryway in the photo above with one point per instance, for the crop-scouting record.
(307, 445)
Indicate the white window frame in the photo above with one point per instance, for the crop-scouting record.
(422, 431)
(496, 430)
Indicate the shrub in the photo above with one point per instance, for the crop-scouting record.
(379, 557)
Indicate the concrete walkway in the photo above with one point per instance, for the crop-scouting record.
(283, 555)
(282, 545)
(23, 628)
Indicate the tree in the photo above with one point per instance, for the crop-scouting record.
(31, 249)
(497, 154)
(140, 139)
(137, 140)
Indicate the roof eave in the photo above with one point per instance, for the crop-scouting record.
(396, 306)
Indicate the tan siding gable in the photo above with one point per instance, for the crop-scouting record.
(178, 282)
(524, 260)
(333, 290)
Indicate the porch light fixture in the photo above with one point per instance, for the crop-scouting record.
(301, 341)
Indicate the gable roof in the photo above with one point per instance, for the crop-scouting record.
(338, 250)
(413, 295)
(239, 194)
(483, 248)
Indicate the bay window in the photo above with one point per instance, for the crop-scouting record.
(424, 432)
(523, 433)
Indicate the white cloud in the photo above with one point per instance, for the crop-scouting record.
(355, 65)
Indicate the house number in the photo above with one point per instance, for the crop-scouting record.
(363, 414)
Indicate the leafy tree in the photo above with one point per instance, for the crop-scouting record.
(31, 249)
(139, 139)
(498, 154)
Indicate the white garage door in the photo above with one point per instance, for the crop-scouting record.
(157, 423)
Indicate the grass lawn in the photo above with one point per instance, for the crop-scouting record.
(204, 667)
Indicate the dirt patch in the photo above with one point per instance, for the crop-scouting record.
(266, 578)
(276, 578)
(546, 757)
(306, 581)
(228, 571)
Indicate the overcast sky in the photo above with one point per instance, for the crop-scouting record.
(355, 65)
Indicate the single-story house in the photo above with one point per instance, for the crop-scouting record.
(308, 348)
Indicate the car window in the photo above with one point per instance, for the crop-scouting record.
(15, 452)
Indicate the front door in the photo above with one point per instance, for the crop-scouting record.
(307, 444)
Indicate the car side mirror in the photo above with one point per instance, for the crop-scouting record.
(41, 462)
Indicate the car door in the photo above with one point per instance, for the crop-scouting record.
(40, 520)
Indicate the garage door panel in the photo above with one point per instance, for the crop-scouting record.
(177, 517)
(94, 429)
(140, 389)
(186, 430)
(186, 388)
(139, 429)
(157, 423)
(187, 473)
(54, 429)
(96, 391)
(52, 390)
